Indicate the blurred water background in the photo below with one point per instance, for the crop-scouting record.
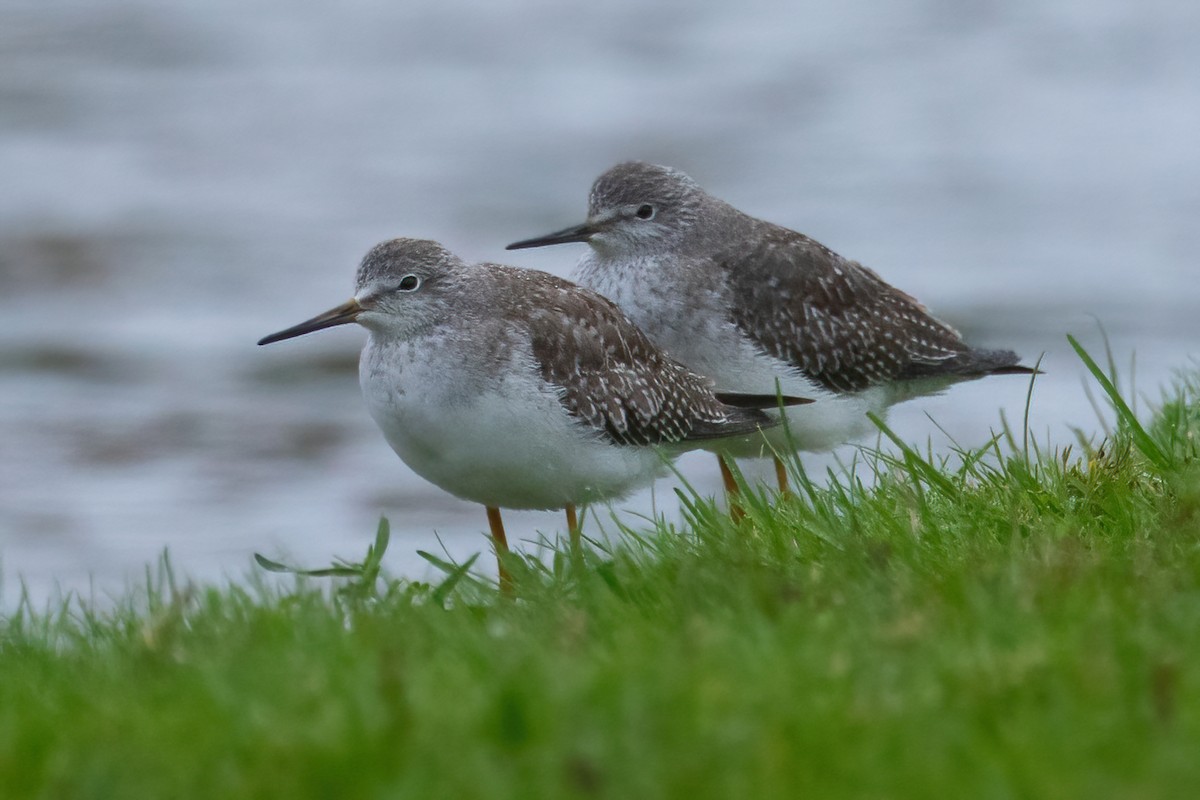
(177, 180)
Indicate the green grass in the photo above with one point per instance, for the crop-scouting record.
(1006, 623)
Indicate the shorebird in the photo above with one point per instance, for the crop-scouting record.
(764, 308)
(513, 388)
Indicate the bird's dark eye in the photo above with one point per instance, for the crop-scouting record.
(409, 283)
(645, 212)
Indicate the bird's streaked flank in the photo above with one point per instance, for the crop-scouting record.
(517, 389)
(757, 306)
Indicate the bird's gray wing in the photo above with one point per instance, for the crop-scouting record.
(613, 378)
(835, 320)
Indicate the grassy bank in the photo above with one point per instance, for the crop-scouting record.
(1009, 623)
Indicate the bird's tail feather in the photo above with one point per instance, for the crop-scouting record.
(739, 400)
(1016, 369)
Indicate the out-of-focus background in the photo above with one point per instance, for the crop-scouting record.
(177, 180)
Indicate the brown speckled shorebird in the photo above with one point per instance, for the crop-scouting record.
(517, 389)
(757, 306)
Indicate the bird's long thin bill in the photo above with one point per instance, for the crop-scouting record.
(577, 233)
(345, 313)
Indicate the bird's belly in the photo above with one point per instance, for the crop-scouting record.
(834, 419)
(510, 449)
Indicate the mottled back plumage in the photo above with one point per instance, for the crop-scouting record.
(837, 321)
(610, 375)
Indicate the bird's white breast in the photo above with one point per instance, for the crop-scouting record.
(497, 437)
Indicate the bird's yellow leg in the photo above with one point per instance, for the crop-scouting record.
(572, 526)
(501, 543)
(781, 477)
(731, 491)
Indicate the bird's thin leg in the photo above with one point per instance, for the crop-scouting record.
(501, 544)
(731, 491)
(781, 477)
(572, 526)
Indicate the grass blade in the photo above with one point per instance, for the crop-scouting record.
(1142, 440)
(443, 590)
(915, 462)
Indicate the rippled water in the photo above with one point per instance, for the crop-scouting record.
(177, 182)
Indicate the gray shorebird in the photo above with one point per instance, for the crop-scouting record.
(758, 306)
(517, 389)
